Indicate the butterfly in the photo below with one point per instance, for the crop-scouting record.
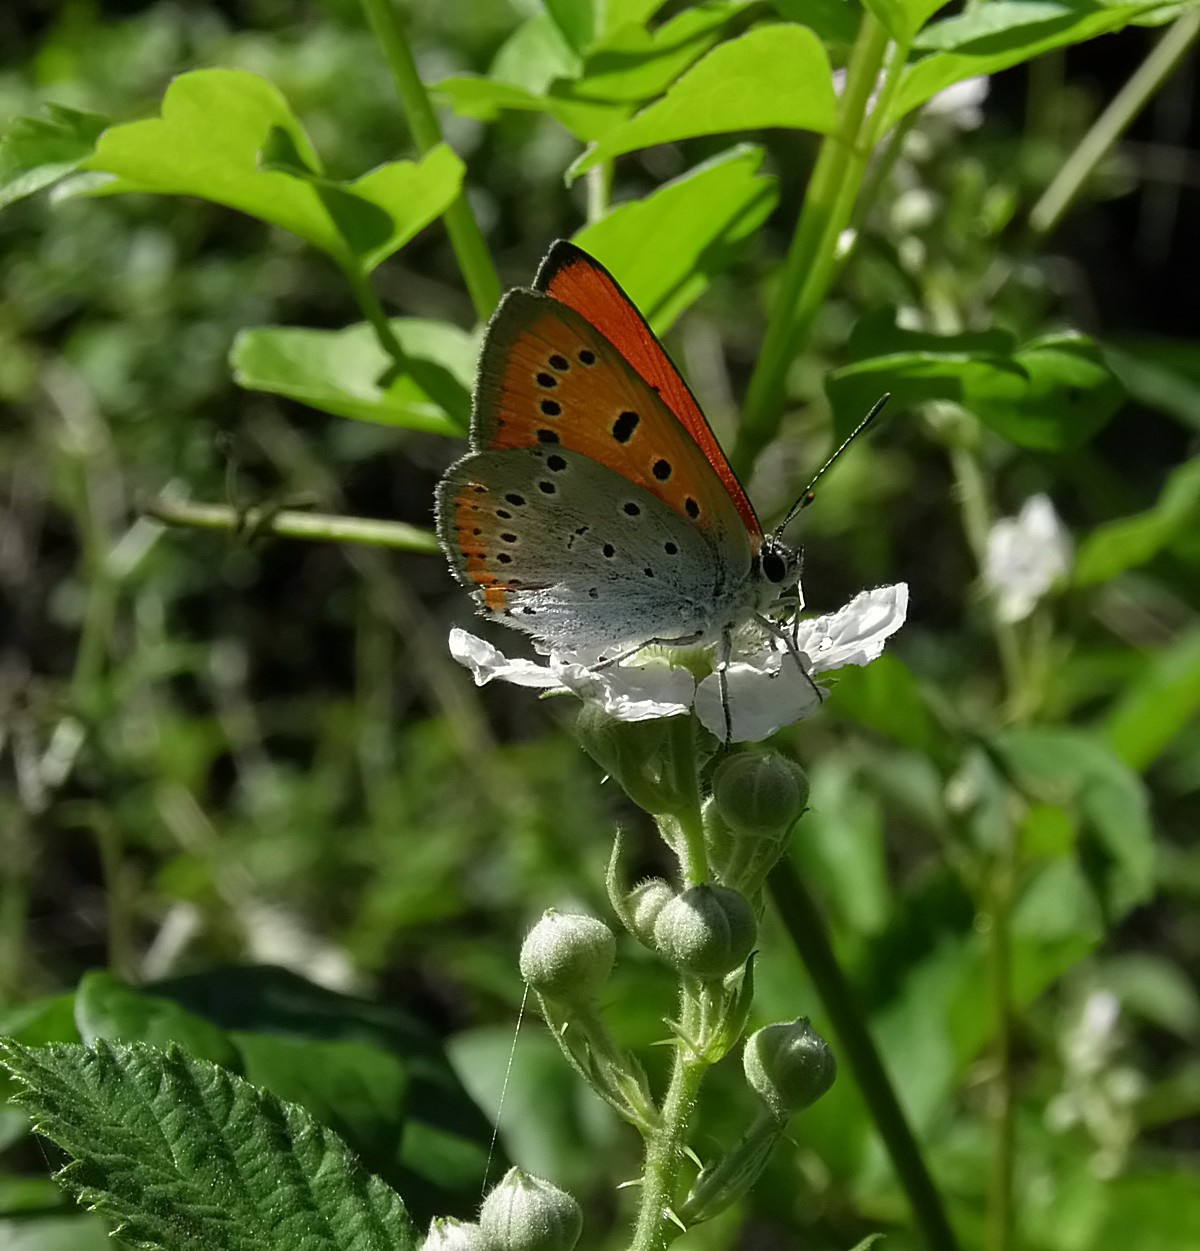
(595, 509)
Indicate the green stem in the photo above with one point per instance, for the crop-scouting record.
(1113, 122)
(292, 524)
(1000, 1179)
(466, 238)
(599, 189)
(685, 808)
(972, 492)
(373, 311)
(800, 917)
(812, 257)
(666, 1144)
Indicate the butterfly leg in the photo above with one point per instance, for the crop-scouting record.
(633, 651)
(788, 639)
(724, 649)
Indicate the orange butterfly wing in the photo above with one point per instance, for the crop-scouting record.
(579, 281)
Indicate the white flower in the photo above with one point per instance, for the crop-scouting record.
(1025, 556)
(765, 687)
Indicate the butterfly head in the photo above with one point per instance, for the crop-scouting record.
(778, 568)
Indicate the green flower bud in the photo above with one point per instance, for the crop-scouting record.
(524, 1213)
(568, 957)
(789, 1066)
(707, 931)
(760, 793)
(629, 751)
(642, 906)
(447, 1233)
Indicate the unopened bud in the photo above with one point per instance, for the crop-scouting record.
(447, 1233)
(642, 906)
(760, 793)
(568, 957)
(789, 1066)
(707, 931)
(524, 1213)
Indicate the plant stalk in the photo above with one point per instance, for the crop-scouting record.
(800, 918)
(293, 524)
(812, 256)
(665, 1147)
(1113, 122)
(466, 238)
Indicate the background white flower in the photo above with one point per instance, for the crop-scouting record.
(765, 685)
(1026, 554)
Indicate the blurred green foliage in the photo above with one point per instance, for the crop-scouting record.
(235, 750)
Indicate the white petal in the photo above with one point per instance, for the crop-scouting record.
(632, 692)
(762, 699)
(486, 662)
(1025, 555)
(855, 634)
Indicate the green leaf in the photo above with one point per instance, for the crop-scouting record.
(924, 78)
(666, 247)
(348, 373)
(1161, 373)
(1051, 394)
(1158, 705)
(1123, 544)
(187, 1157)
(229, 136)
(835, 21)
(990, 23)
(35, 152)
(445, 1138)
(624, 69)
(357, 1089)
(38, 1022)
(633, 65)
(772, 76)
(576, 19)
(105, 1008)
(885, 697)
(1081, 774)
(903, 18)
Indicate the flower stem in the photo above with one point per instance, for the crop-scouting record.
(811, 261)
(800, 917)
(665, 1145)
(465, 236)
(685, 785)
(293, 524)
(1000, 1178)
(373, 311)
(1113, 122)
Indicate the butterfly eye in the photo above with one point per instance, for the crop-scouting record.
(774, 567)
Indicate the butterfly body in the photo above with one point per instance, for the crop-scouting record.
(595, 509)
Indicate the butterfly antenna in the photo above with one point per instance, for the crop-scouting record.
(807, 495)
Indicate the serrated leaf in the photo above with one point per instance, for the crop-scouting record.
(1086, 19)
(772, 76)
(348, 373)
(106, 1008)
(443, 1143)
(209, 142)
(35, 152)
(666, 247)
(187, 1157)
(1050, 394)
(1127, 542)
